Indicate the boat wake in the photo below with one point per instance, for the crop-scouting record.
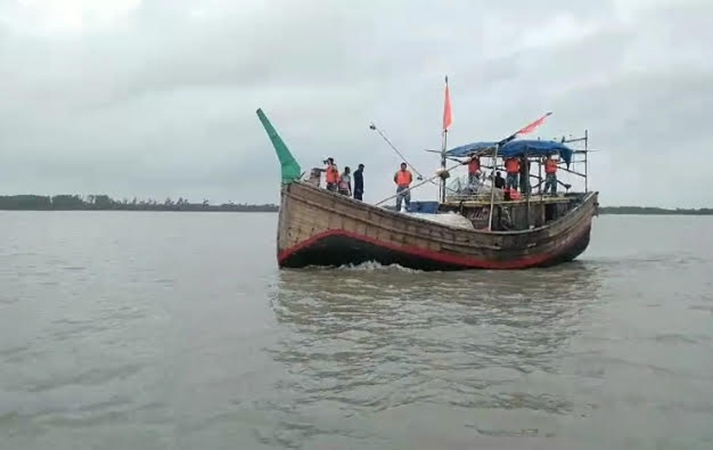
(370, 266)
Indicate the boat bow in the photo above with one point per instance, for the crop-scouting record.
(290, 168)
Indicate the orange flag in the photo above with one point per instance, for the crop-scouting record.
(447, 116)
(530, 128)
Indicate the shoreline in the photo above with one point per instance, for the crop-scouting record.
(218, 209)
(106, 203)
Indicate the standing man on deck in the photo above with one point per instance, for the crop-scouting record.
(331, 175)
(512, 167)
(524, 175)
(473, 169)
(359, 182)
(403, 179)
(345, 182)
(499, 181)
(551, 174)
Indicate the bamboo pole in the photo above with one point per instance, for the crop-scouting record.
(571, 171)
(528, 188)
(492, 189)
(586, 160)
(442, 190)
(539, 176)
(393, 147)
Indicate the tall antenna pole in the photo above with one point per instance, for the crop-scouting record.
(442, 189)
(492, 188)
(586, 160)
(403, 158)
(447, 119)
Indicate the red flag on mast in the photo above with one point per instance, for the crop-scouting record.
(447, 116)
(530, 128)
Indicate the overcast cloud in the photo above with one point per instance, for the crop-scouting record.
(158, 97)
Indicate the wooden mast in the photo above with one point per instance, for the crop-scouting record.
(442, 186)
(492, 188)
(526, 185)
(586, 160)
(447, 118)
(539, 177)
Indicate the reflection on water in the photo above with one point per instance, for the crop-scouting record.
(371, 339)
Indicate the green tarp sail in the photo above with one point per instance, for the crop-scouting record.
(291, 170)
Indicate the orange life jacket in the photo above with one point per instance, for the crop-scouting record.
(512, 165)
(403, 178)
(473, 166)
(332, 174)
(551, 166)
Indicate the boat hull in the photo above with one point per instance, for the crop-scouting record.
(320, 228)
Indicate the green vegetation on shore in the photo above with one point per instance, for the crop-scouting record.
(106, 203)
(650, 211)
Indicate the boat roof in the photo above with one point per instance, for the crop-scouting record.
(516, 148)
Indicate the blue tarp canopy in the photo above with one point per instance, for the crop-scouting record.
(514, 149)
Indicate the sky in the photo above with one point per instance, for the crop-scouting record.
(157, 98)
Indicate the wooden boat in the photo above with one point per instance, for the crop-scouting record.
(318, 227)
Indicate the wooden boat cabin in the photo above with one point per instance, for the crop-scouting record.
(527, 207)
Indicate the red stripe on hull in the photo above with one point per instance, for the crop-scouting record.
(464, 261)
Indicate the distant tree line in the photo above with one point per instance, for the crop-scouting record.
(645, 210)
(106, 203)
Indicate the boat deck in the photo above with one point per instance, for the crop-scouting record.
(534, 199)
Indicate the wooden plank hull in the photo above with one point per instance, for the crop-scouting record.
(321, 228)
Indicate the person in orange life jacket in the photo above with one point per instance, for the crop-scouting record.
(332, 174)
(345, 182)
(512, 167)
(551, 174)
(403, 179)
(473, 169)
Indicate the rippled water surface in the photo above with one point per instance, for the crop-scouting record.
(150, 330)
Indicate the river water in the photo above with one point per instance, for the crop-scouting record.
(177, 331)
